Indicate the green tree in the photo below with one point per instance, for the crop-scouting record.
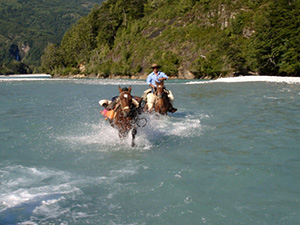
(275, 41)
(52, 58)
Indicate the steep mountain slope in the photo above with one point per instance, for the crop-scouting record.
(27, 26)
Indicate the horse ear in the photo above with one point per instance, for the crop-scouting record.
(120, 89)
(129, 89)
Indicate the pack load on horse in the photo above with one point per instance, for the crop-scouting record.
(158, 98)
(122, 113)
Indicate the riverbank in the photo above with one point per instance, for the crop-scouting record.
(248, 78)
(260, 78)
(276, 79)
(18, 76)
(128, 77)
(251, 78)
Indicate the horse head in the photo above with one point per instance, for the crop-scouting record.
(125, 100)
(161, 104)
(159, 89)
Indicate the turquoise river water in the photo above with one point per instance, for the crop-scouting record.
(229, 155)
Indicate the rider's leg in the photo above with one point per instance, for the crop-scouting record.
(135, 102)
(104, 103)
(171, 99)
(144, 96)
(150, 101)
(171, 96)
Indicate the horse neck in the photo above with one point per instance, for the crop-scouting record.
(160, 93)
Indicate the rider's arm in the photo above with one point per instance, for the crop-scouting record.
(149, 80)
(162, 76)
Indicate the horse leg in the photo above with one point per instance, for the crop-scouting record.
(133, 133)
(122, 134)
(145, 109)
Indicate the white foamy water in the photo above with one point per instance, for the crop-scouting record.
(40, 190)
(187, 126)
(37, 195)
(153, 127)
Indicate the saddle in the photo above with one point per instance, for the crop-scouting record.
(110, 107)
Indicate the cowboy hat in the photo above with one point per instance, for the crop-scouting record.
(154, 65)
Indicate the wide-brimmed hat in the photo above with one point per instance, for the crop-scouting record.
(154, 65)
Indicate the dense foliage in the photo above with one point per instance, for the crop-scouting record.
(27, 26)
(190, 38)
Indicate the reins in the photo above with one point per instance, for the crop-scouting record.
(133, 113)
(129, 107)
(138, 123)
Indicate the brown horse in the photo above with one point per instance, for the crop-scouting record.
(162, 103)
(126, 114)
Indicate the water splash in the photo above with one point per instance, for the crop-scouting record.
(30, 195)
(157, 128)
(28, 191)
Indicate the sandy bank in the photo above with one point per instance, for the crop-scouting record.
(276, 79)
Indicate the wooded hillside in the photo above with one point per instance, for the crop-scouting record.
(190, 38)
(28, 26)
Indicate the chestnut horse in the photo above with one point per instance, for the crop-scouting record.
(162, 103)
(125, 115)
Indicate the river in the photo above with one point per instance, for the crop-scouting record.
(229, 155)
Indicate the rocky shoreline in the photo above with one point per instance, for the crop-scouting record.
(183, 74)
(133, 77)
(241, 78)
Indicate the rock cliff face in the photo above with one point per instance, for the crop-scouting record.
(184, 73)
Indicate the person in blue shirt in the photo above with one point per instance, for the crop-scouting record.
(157, 76)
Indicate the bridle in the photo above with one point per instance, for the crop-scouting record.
(125, 102)
(161, 95)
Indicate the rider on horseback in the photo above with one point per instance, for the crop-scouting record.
(115, 103)
(148, 96)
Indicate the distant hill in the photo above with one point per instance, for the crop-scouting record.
(27, 26)
(190, 38)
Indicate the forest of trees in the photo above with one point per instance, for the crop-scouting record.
(28, 26)
(205, 38)
(208, 38)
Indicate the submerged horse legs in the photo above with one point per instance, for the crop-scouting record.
(133, 133)
(123, 135)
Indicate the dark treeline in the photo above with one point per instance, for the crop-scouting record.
(28, 26)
